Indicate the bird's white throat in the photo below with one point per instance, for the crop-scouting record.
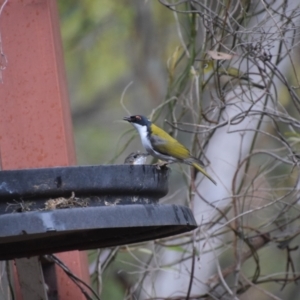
(143, 132)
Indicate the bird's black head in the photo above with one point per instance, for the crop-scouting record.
(138, 119)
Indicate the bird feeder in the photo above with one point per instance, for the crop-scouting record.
(51, 210)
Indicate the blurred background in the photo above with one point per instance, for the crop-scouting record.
(148, 57)
(114, 51)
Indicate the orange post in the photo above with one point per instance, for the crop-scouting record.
(35, 122)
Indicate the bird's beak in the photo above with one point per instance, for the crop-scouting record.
(127, 119)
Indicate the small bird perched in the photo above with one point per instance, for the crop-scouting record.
(136, 158)
(161, 145)
(229, 76)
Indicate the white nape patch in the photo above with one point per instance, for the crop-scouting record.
(143, 132)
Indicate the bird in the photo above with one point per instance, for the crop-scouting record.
(161, 145)
(136, 158)
(229, 76)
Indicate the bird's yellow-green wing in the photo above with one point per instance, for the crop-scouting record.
(164, 143)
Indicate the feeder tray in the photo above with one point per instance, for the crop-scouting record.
(77, 208)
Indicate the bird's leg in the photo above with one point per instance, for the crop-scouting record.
(161, 164)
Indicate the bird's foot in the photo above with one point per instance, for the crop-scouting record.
(161, 164)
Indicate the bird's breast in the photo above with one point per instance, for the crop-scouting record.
(147, 144)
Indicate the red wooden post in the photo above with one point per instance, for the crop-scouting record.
(35, 122)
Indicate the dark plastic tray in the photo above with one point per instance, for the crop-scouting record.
(110, 205)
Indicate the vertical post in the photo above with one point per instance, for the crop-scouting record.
(35, 122)
(31, 278)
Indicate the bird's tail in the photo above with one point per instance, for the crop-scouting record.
(197, 165)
